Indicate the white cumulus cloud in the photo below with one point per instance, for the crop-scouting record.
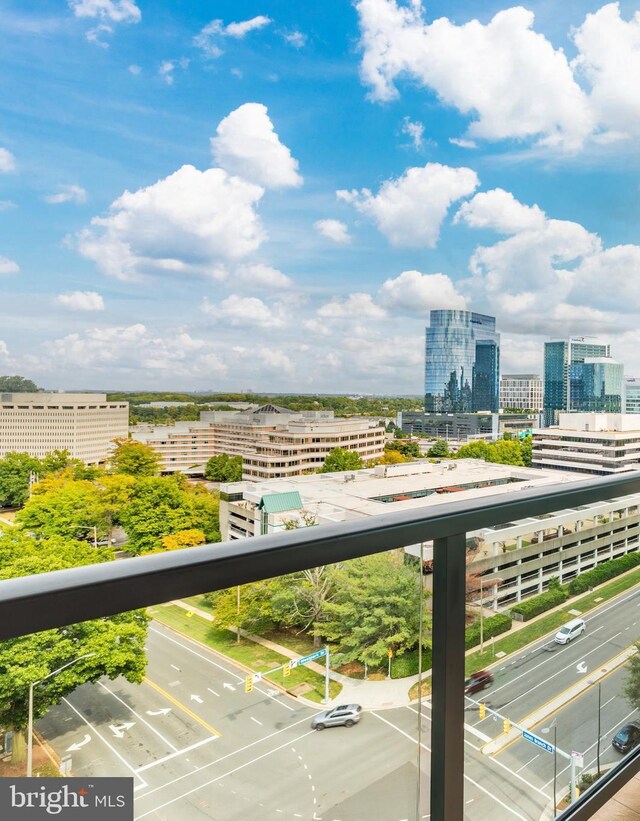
(246, 311)
(499, 73)
(81, 301)
(354, 307)
(501, 211)
(413, 292)
(67, 193)
(107, 13)
(295, 38)
(247, 144)
(261, 276)
(334, 230)
(188, 222)
(415, 130)
(409, 211)
(7, 161)
(8, 266)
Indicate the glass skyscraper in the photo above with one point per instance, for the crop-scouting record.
(596, 385)
(462, 363)
(561, 379)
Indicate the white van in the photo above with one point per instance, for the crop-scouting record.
(570, 631)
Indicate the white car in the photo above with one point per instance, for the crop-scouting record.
(570, 631)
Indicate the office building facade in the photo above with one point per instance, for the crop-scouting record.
(559, 356)
(521, 390)
(85, 424)
(462, 363)
(597, 386)
(632, 395)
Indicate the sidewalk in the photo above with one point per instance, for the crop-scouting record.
(369, 694)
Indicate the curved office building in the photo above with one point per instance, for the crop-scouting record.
(462, 363)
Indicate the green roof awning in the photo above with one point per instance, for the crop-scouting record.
(280, 502)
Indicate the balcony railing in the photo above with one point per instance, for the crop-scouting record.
(52, 600)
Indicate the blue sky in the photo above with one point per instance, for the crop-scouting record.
(273, 195)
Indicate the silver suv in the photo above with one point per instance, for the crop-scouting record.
(346, 715)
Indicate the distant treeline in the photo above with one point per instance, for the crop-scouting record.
(341, 405)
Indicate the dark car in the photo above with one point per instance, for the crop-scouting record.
(477, 681)
(627, 738)
(346, 715)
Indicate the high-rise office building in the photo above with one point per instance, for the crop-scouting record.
(462, 363)
(632, 394)
(597, 385)
(559, 356)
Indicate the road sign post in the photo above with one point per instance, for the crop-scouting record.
(539, 742)
(326, 677)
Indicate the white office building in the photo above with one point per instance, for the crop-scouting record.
(521, 390)
(601, 444)
(85, 424)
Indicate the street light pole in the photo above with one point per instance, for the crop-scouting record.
(555, 770)
(481, 618)
(599, 728)
(30, 723)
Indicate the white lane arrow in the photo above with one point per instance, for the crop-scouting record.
(196, 698)
(119, 731)
(79, 744)
(163, 712)
(582, 667)
(228, 686)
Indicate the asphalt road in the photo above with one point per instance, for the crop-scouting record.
(199, 747)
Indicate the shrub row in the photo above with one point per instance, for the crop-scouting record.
(603, 572)
(493, 626)
(540, 604)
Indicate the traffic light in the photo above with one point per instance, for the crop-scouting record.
(506, 725)
(286, 670)
(248, 684)
(482, 711)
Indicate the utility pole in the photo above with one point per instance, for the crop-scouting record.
(599, 727)
(238, 614)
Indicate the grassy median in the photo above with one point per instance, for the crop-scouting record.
(254, 656)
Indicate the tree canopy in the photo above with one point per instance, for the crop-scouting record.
(504, 451)
(341, 459)
(439, 449)
(117, 642)
(224, 468)
(631, 687)
(375, 607)
(407, 447)
(135, 458)
(17, 384)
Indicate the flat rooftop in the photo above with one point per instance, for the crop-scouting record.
(352, 494)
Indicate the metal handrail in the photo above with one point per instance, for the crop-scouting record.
(55, 599)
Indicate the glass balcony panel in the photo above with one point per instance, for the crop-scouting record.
(226, 725)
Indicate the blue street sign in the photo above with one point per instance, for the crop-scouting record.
(539, 742)
(312, 656)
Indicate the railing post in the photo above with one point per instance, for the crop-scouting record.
(447, 676)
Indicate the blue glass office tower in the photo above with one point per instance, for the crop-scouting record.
(597, 385)
(462, 363)
(559, 357)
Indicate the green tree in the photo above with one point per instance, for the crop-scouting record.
(439, 449)
(473, 450)
(64, 507)
(376, 607)
(135, 458)
(526, 448)
(631, 687)
(17, 384)
(407, 447)
(341, 459)
(299, 599)
(162, 506)
(117, 642)
(505, 452)
(183, 538)
(247, 607)
(224, 468)
(15, 470)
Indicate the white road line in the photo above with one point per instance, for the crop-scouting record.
(176, 754)
(213, 691)
(219, 666)
(528, 762)
(395, 727)
(484, 738)
(176, 668)
(562, 670)
(229, 755)
(256, 720)
(613, 698)
(591, 746)
(220, 777)
(500, 764)
(139, 717)
(104, 741)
